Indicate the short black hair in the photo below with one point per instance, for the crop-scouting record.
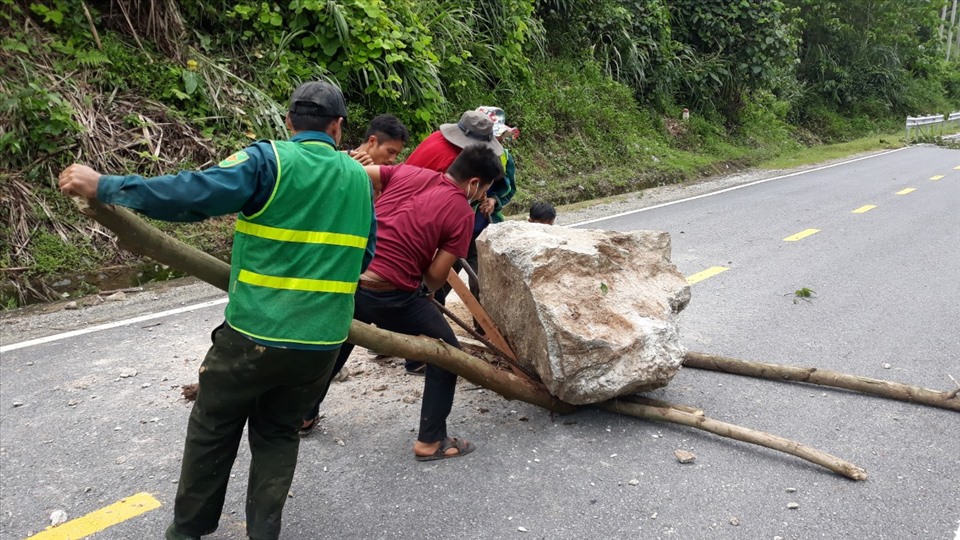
(310, 122)
(387, 127)
(476, 160)
(543, 211)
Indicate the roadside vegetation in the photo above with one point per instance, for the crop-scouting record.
(596, 87)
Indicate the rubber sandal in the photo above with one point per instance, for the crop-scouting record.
(463, 447)
(306, 430)
(419, 370)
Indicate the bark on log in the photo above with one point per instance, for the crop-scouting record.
(674, 415)
(824, 377)
(139, 237)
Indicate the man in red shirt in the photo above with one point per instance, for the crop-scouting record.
(424, 225)
(443, 146)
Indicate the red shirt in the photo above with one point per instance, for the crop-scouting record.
(435, 152)
(419, 211)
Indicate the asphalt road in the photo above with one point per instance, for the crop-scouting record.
(76, 435)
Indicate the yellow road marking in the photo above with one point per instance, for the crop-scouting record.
(957, 168)
(801, 235)
(905, 191)
(937, 177)
(709, 272)
(864, 209)
(99, 520)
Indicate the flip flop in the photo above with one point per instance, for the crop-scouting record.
(420, 369)
(305, 430)
(463, 447)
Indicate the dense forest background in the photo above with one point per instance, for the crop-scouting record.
(596, 88)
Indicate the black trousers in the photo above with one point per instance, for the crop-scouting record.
(242, 382)
(413, 314)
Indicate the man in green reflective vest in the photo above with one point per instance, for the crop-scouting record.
(305, 231)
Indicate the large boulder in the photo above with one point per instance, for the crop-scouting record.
(593, 312)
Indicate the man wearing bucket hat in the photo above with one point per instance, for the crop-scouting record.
(441, 147)
(487, 124)
(305, 231)
(488, 210)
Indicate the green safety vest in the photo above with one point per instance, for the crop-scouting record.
(296, 262)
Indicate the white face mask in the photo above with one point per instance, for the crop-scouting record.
(470, 197)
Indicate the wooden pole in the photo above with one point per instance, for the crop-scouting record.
(740, 433)
(824, 377)
(479, 313)
(138, 236)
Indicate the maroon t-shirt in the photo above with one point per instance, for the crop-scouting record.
(435, 152)
(419, 211)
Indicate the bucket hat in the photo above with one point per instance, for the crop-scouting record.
(473, 128)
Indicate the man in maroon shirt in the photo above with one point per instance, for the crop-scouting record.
(424, 225)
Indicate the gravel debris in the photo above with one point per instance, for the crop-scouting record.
(684, 456)
(58, 517)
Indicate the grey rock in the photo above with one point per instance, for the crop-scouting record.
(684, 456)
(116, 297)
(793, 505)
(127, 373)
(593, 312)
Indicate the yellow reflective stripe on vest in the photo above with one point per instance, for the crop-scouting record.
(305, 237)
(297, 284)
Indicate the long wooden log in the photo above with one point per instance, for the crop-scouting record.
(673, 414)
(139, 237)
(824, 377)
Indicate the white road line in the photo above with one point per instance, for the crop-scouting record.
(957, 536)
(733, 188)
(107, 326)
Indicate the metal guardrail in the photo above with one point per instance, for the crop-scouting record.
(919, 122)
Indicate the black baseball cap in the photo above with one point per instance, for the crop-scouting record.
(318, 98)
